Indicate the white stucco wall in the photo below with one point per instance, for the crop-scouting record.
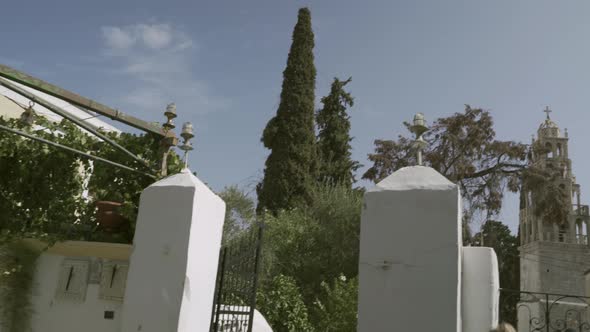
(480, 289)
(55, 315)
(203, 257)
(174, 263)
(410, 257)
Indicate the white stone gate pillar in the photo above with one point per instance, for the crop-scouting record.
(173, 266)
(410, 254)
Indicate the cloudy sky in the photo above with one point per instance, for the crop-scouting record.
(222, 61)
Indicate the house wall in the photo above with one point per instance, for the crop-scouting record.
(59, 315)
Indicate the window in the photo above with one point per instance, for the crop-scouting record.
(549, 149)
(113, 280)
(73, 280)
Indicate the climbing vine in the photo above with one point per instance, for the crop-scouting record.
(41, 197)
(41, 186)
(17, 263)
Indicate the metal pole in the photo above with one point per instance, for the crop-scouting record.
(419, 157)
(547, 316)
(64, 114)
(256, 272)
(75, 99)
(67, 148)
(217, 306)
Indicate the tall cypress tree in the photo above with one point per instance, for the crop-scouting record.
(290, 134)
(336, 165)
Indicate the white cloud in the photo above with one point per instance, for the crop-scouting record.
(117, 38)
(148, 36)
(155, 36)
(159, 61)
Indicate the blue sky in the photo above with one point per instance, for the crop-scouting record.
(222, 62)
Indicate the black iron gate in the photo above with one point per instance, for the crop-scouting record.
(545, 312)
(237, 281)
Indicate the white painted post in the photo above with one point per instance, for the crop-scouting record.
(173, 266)
(480, 289)
(410, 254)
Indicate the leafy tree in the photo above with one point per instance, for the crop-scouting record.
(550, 199)
(317, 242)
(333, 138)
(116, 184)
(336, 309)
(497, 236)
(282, 305)
(290, 134)
(17, 268)
(240, 213)
(41, 186)
(463, 147)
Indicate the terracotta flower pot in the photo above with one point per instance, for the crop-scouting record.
(108, 217)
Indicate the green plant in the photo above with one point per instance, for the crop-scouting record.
(315, 242)
(290, 136)
(280, 301)
(17, 271)
(41, 186)
(333, 141)
(335, 310)
(240, 212)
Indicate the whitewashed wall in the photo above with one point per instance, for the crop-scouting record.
(410, 254)
(174, 262)
(54, 315)
(480, 293)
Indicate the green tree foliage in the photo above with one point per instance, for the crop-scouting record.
(496, 235)
(546, 188)
(240, 213)
(315, 243)
(336, 165)
(41, 186)
(17, 271)
(280, 301)
(463, 147)
(290, 134)
(337, 312)
(115, 184)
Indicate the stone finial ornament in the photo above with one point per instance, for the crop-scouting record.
(187, 134)
(170, 115)
(419, 128)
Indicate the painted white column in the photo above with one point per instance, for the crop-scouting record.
(480, 289)
(410, 254)
(173, 266)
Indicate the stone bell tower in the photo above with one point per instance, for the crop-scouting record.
(555, 254)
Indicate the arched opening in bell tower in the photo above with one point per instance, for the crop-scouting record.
(549, 149)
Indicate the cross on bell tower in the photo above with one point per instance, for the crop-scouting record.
(547, 110)
(546, 240)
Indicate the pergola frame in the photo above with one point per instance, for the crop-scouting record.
(10, 75)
